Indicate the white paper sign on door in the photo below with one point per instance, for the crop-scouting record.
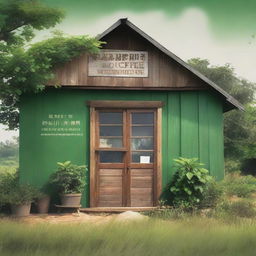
(145, 159)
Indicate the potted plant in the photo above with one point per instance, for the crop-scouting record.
(43, 203)
(20, 199)
(69, 180)
(18, 196)
(43, 199)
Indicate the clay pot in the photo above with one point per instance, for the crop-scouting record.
(43, 204)
(21, 210)
(70, 199)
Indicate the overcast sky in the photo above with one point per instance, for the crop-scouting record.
(192, 31)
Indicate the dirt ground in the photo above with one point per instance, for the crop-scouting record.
(76, 218)
(64, 218)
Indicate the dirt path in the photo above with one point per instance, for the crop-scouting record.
(64, 218)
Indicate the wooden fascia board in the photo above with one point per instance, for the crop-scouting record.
(124, 104)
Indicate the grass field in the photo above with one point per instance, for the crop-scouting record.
(197, 237)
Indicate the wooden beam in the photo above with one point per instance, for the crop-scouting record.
(117, 209)
(159, 154)
(124, 104)
(92, 159)
(96, 87)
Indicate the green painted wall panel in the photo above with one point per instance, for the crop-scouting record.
(189, 124)
(174, 131)
(191, 127)
(203, 129)
(216, 147)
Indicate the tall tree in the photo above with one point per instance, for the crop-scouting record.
(239, 126)
(27, 68)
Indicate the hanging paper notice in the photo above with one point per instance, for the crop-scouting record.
(145, 159)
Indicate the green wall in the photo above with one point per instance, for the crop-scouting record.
(192, 127)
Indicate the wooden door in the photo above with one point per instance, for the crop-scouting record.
(125, 145)
(141, 157)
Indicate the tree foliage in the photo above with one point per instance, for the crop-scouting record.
(9, 149)
(27, 68)
(239, 126)
(225, 77)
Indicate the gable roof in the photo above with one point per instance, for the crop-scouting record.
(230, 101)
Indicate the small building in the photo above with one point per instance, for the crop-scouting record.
(126, 113)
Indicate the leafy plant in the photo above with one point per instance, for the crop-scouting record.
(189, 183)
(69, 178)
(242, 208)
(14, 193)
(21, 194)
(212, 195)
(232, 166)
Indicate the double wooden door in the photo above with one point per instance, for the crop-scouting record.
(125, 157)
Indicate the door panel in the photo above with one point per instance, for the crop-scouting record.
(110, 187)
(141, 187)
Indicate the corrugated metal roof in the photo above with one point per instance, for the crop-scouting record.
(230, 101)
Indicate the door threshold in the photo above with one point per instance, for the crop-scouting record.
(117, 209)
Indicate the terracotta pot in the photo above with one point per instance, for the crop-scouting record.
(70, 199)
(21, 210)
(43, 204)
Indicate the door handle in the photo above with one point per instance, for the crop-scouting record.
(128, 169)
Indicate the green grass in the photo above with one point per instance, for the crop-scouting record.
(9, 161)
(10, 169)
(197, 237)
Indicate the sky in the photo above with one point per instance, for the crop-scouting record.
(221, 31)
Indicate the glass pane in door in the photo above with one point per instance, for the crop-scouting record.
(143, 118)
(142, 130)
(142, 137)
(110, 117)
(142, 143)
(111, 157)
(110, 129)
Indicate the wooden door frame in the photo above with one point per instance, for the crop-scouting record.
(125, 105)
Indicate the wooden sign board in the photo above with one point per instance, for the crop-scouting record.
(116, 63)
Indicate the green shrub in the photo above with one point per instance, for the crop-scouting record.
(69, 178)
(21, 194)
(7, 182)
(189, 183)
(212, 195)
(242, 208)
(5, 168)
(14, 193)
(232, 166)
(238, 185)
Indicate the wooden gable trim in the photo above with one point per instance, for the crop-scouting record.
(124, 104)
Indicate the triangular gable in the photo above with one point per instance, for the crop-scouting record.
(229, 100)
